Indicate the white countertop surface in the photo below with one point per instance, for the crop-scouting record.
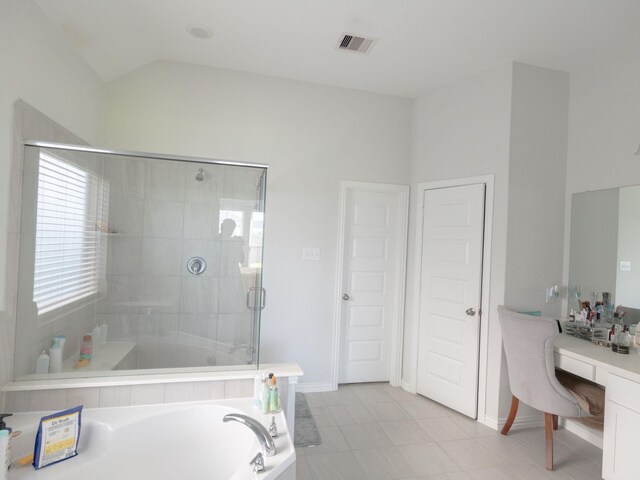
(626, 366)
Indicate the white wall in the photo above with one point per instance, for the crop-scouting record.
(537, 170)
(604, 130)
(311, 136)
(512, 123)
(463, 130)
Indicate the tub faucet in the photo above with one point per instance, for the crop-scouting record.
(266, 442)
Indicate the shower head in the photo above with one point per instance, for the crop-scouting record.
(200, 175)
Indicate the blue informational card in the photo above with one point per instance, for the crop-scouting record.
(57, 437)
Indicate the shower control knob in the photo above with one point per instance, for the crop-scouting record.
(345, 296)
(470, 311)
(196, 265)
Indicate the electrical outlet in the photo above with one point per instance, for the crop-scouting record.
(311, 254)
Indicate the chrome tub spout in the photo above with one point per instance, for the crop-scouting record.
(266, 442)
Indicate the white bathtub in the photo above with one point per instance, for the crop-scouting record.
(181, 350)
(170, 441)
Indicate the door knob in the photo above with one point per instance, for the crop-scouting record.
(345, 296)
(470, 311)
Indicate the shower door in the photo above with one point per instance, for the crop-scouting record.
(162, 254)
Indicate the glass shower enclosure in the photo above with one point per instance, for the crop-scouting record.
(136, 263)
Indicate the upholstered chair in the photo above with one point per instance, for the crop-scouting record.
(528, 345)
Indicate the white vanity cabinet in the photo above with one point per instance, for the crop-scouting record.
(621, 426)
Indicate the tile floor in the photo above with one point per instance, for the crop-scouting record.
(375, 431)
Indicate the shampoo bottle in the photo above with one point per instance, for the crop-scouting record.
(55, 356)
(104, 331)
(42, 363)
(96, 335)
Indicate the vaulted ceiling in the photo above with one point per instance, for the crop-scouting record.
(421, 43)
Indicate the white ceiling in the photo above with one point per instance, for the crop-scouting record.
(423, 43)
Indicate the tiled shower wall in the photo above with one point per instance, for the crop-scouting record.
(161, 216)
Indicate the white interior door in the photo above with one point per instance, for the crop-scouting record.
(450, 296)
(370, 285)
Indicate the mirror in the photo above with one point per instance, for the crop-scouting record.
(605, 246)
(134, 263)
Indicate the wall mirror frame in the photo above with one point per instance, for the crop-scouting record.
(157, 257)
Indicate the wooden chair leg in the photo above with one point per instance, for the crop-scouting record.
(548, 431)
(555, 422)
(512, 415)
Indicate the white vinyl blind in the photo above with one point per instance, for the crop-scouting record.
(67, 257)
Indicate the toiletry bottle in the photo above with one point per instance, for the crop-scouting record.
(86, 348)
(5, 458)
(264, 394)
(274, 396)
(55, 356)
(95, 336)
(5, 446)
(42, 363)
(104, 331)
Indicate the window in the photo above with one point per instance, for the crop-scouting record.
(68, 256)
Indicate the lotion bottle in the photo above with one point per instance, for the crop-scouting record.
(274, 396)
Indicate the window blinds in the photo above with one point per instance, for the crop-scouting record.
(67, 257)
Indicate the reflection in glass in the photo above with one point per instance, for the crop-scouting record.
(105, 243)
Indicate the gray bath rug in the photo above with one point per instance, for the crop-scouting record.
(306, 432)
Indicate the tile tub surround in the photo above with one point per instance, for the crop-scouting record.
(375, 431)
(58, 394)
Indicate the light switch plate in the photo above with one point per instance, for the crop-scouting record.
(625, 266)
(311, 254)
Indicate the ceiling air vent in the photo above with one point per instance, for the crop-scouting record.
(355, 43)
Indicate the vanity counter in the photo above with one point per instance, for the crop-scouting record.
(593, 362)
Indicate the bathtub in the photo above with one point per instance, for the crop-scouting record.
(169, 441)
(181, 350)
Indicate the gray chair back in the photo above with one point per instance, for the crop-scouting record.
(528, 345)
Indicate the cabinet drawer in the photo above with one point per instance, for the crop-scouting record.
(574, 366)
(624, 392)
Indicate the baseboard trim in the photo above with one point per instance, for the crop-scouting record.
(314, 387)
(409, 387)
(530, 421)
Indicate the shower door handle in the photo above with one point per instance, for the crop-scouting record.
(251, 306)
(263, 298)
